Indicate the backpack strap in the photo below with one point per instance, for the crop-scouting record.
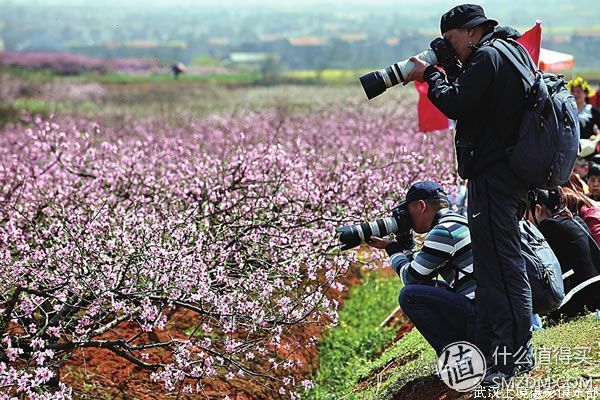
(532, 234)
(518, 56)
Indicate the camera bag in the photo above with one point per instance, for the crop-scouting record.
(543, 270)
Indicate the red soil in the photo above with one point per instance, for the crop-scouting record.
(99, 373)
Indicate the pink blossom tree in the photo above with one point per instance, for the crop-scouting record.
(228, 219)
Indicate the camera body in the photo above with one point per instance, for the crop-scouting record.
(376, 82)
(354, 235)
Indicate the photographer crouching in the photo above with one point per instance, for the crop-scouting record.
(443, 311)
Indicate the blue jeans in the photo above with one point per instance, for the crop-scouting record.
(442, 316)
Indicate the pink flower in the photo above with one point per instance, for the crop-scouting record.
(308, 384)
(38, 343)
(142, 217)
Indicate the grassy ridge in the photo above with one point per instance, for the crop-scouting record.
(357, 339)
(351, 366)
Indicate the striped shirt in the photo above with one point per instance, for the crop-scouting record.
(446, 251)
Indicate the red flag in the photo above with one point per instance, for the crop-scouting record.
(430, 118)
(532, 41)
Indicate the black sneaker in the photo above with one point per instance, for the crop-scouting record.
(526, 365)
(495, 379)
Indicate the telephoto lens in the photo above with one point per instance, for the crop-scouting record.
(354, 235)
(376, 82)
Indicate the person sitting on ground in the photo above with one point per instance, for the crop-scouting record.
(443, 311)
(589, 117)
(581, 168)
(576, 250)
(594, 182)
(577, 184)
(588, 210)
(594, 100)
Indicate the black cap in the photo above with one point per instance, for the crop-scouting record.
(424, 191)
(464, 16)
(594, 169)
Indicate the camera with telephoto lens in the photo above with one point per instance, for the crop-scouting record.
(376, 82)
(354, 235)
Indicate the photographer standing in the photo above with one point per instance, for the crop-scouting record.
(487, 99)
(444, 312)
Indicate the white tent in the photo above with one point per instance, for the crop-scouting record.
(554, 61)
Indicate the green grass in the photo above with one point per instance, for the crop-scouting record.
(45, 108)
(119, 78)
(409, 358)
(565, 353)
(311, 77)
(44, 75)
(352, 365)
(38, 106)
(38, 75)
(357, 339)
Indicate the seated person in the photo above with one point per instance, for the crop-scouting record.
(594, 99)
(575, 248)
(577, 184)
(444, 312)
(589, 117)
(594, 182)
(588, 210)
(581, 169)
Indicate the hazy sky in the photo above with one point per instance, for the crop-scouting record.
(510, 12)
(424, 6)
(277, 3)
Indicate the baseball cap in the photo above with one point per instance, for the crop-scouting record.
(464, 16)
(426, 190)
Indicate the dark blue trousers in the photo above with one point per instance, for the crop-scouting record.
(442, 316)
(503, 295)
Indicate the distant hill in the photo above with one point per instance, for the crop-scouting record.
(351, 33)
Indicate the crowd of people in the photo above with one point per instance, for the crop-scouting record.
(569, 216)
(469, 280)
(439, 290)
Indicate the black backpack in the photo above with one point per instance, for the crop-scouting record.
(543, 270)
(548, 141)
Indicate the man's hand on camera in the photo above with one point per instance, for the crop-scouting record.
(378, 243)
(416, 74)
(452, 71)
(405, 240)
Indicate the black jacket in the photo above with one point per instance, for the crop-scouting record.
(588, 117)
(579, 259)
(574, 247)
(487, 99)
